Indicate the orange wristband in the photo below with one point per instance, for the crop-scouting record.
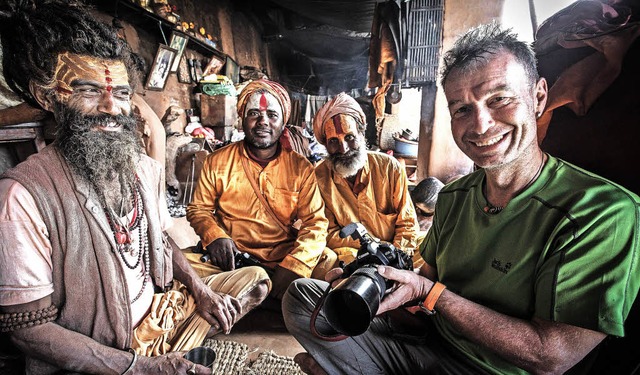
(432, 297)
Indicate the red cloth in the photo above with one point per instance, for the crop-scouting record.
(285, 139)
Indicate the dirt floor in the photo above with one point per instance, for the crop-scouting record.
(263, 330)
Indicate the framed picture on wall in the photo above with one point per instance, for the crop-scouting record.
(160, 69)
(232, 70)
(214, 66)
(178, 42)
(183, 71)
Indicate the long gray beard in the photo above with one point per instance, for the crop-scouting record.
(107, 160)
(347, 165)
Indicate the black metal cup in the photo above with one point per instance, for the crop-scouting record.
(201, 355)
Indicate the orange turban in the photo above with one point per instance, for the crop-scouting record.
(272, 88)
(341, 104)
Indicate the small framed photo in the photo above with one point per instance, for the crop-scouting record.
(160, 68)
(232, 70)
(214, 66)
(183, 71)
(178, 42)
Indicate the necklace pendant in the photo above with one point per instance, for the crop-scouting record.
(493, 209)
(122, 238)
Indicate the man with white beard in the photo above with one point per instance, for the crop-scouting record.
(359, 185)
(89, 281)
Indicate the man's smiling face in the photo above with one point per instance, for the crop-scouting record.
(94, 86)
(263, 120)
(492, 106)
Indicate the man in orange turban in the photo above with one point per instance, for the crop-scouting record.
(360, 186)
(271, 87)
(250, 194)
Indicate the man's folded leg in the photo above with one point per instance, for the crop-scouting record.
(395, 343)
(173, 323)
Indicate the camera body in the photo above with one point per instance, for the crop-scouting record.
(350, 307)
(373, 253)
(240, 259)
(245, 260)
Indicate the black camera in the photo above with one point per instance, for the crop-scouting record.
(245, 260)
(350, 307)
(239, 259)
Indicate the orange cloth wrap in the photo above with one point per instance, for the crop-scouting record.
(340, 104)
(272, 88)
(174, 325)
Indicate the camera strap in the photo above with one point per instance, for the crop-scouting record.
(254, 185)
(314, 316)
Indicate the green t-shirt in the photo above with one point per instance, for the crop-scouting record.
(566, 249)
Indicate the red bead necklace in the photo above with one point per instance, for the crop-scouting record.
(122, 232)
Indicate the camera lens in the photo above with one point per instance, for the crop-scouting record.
(351, 306)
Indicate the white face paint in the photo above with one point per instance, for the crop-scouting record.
(93, 86)
(263, 102)
(263, 122)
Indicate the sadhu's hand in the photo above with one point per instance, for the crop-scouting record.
(170, 363)
(220, 310)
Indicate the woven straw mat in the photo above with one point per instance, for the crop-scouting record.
(232, 359)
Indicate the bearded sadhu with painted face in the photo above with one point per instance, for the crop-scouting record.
(89, 282)
(359, 185)
(250, 194)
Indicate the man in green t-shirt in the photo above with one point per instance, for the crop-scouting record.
(530, 263)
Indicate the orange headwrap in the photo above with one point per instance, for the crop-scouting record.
(341, 104)
(272, 88)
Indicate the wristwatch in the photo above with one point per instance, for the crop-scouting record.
(429, 303)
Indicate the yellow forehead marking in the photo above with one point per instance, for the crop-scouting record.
(339, 126)
(71, 67)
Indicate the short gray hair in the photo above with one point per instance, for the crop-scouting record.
(489, 38)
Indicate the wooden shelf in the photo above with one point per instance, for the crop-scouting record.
(140, 17)
(25, 132)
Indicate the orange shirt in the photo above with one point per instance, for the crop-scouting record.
(382, 204)
(225, 205)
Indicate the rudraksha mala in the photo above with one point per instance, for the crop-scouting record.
(12, 321)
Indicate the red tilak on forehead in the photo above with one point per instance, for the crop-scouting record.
(108, 79)
(338, 124)
(263, 102)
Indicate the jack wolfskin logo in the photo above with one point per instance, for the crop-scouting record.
(498, 265)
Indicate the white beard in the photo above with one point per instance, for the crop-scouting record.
(347, 167)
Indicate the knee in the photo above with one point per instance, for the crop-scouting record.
(291, 296)
(261, 290)
(326, 262)
(302, 296)
(257, 294)
(292, 308)
(299, 303)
